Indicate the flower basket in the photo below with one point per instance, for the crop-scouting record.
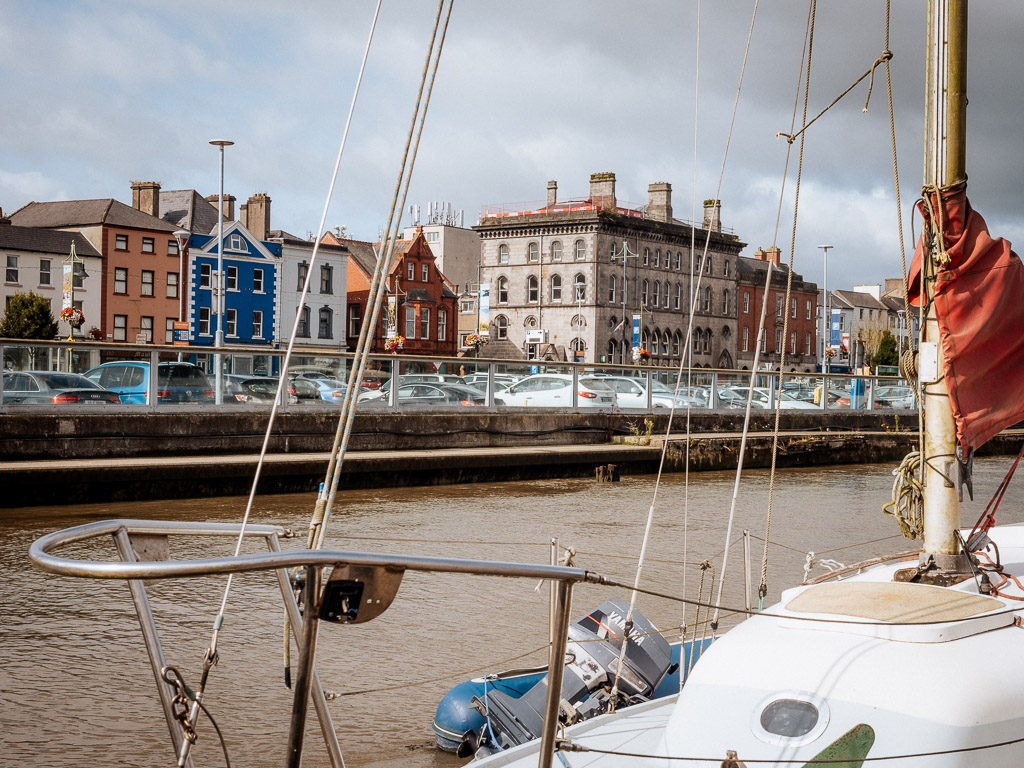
(394, 345)
(476, 340)
(72, 317)
(95, 334)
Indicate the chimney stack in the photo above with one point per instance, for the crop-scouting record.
(602, 189)
(229, 205)
(552, 192)
(713, 215)
(773, 254)
(146, 197)
(255, 215)
(659, 201)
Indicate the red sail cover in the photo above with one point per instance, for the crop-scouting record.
(979, 300)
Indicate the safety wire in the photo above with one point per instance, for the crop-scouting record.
(211, 654)
(686, 362)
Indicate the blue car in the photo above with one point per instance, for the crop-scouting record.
(175, 383)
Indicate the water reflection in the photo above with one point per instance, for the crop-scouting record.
(75, 685)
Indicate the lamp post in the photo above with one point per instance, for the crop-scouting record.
(623, 255)
(826, 320)
(181, 237)
(899, 336)
(219, 283)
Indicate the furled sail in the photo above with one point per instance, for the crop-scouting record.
(979, 302)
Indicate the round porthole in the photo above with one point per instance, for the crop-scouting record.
(790, 717)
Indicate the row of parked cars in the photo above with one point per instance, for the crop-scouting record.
(126, 382)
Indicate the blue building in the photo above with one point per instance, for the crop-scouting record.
(251, 274)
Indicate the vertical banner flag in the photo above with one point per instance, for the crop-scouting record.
(636, 331)
(68, 281)
(392, 319)
(484, 321)
(835, 329)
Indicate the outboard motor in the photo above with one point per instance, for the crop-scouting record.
(592, 660)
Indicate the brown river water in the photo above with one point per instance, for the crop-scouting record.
(75, 685)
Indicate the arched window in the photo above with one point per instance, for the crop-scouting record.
(613, 350)
(645, 289)
(697, 335)
(725, 301)
(709, 266)
(707, 342)
(726, 332)
(326, 321)
(501, 327)
(556, 288)
(679, 260)
(677, 299)
(725, 267)
(677, 340)
(647, 256)
(664, 341)
(655, 341)
(532, 252)
(656, 293)
(503, 290)
(532, 293)
(503, 254)
(656, 261)
(579, 284)
(612, 285)
(579, 345)
(556, 250)
(707, 299)
(530, 322)
(668, 295)
(581, 250)
(578, 321)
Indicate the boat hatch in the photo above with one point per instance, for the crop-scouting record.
(898, 611)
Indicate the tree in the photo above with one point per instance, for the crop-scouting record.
(887, 353)
(28, 316)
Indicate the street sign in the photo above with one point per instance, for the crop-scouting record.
(181, 334)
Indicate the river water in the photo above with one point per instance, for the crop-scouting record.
(75, 685)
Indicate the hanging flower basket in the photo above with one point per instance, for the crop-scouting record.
(72, 317)
(476, 340)
(394, 345)
(95, 333)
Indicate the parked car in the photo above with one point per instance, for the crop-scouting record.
(425, 394)
(547, 390)
(263, 389)
(632, 393)
(306, 390)
(333, 391)
(55, 387)
(501, 380)
(175, 382)
(895, 397)
(762, 399)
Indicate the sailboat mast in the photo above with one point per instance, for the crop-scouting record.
(945, 164)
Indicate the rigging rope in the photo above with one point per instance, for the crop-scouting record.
(907, 504)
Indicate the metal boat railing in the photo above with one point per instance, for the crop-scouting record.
(143, 548)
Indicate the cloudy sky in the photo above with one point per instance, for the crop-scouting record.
(101, 93)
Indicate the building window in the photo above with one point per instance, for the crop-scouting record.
(746, 339)
(326, 317)
(725, 268)
(532, 253)
(656, 261)
(501, 327)
(707, 300)
(612, 287)
(792, 309)
(647, 257)
(235, 243)
(232, 282)
(424, 322)
(410, 271)
(503, 290)
(707, 342)
(725, 301)
(764, 341)
(442, 325)
(579, 283)
(147, 282)
(697, 333)
(303, 329)
(44, 272)
(257, 324)
(467, 306)
(679, 263)
(531, 289)
(807, 343)
(556, 250)
(355, 322)
(677, 340)
(778, 305)
(581, 250)
(778, 340)
(120, 327)
(12, 269)
(231, 322)
(709, 264)
(410, 322)
(792, 343)
(172, 247)
(656, 293)
(120, 242)
(303, 274)
(168, 330)
(746, 303)
(257, 281)
(78, 274)
(668, 297)
(146, 328)
(120, 280)
(503, 254)
(148, 245)
(204, 321)
(205, 271)
(556, 287)
(645, 290)
(677, 299)
(425, 272)
(326, 279)
(172, 285)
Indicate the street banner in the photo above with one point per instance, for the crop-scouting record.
(181, 333)
(636, 331)
(67, 287)
(484, 323)
(392, 317)
(835, 328)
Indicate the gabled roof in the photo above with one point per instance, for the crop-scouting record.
(858, 300)
(187, 209)
(80, 213)
(255, 249)
(42, 240)
(363, 255)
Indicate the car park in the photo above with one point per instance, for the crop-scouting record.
(554, 390)
(55, 388)
(631, 392)
(501, 380)
(425, 394)
(177, 382)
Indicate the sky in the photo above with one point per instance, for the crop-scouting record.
(100, 93)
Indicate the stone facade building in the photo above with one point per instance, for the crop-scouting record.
(799, 320)
(566, 279)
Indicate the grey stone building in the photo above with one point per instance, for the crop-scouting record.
(566, 279)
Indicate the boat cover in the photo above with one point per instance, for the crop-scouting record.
(979, 302)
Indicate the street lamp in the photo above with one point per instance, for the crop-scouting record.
(181, 236)
(826, 320)
(219, 338)
(623, 255)
(899, 337)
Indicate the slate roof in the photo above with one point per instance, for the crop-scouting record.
(187, 209)
(41, 240)
(751, 269)
(78, 213)
(860, 300)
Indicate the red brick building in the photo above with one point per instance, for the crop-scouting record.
(802, 331)
(424, 300)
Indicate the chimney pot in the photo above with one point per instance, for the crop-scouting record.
(146, 197)
(552, 192)
(602, 189)
(659, 201)
(713, 215)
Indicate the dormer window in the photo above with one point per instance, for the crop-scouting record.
(236, 243)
